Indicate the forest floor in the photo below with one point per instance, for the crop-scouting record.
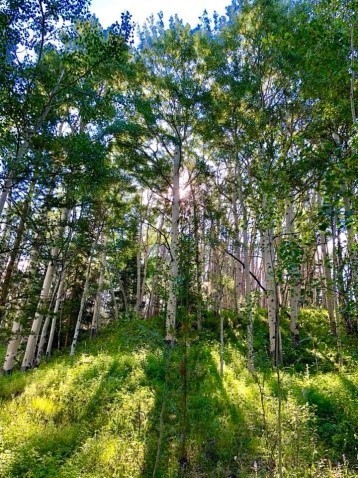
(128, 405)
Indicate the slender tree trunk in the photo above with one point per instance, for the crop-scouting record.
(115, 305)
(45, 326)
(14, 253)
(174, 269)
(353, 76)
(144, 310)
(294, 279)
(113, 295)
(12, 347)
(139, 267)
(58, 302)
(124, 296)
(250, 323)
(154, 299)
(328, 282)
(15, 339)
(338, 285)
(198, 266)
(98, 300)
(271, 292)
(29, 357)
(84, 296)
(237, 250)
(221, 341)
(5, 192)
(219, 289)
(217, 271)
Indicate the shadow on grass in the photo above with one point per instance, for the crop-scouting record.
(82, 396)
(198, 433)
(336, 414)
(61, 435)
(194, 425)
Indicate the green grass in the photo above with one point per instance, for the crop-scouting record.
(127, 405)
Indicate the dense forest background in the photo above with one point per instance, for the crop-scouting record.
(188, 194)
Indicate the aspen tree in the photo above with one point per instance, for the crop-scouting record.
(45, 326)
(14, 254)
(98, 300)
(59, 299)
(271, 292)
(328, 292)
(248, 305)
(17, 326)
(294, 278)
(29, 357)
(174, 243)
(84, 294)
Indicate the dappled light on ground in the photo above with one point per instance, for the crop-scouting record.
(129, 406)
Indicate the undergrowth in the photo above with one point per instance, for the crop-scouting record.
(128, 405)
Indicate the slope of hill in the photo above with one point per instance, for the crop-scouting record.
(127, 405)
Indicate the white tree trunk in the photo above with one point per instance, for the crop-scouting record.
(12, 347)
(55, 312)
(328, 296)
(45, 327)
(353, 76)
(294, 279)
(113, 295)
(271, 292)
(144, 309)
(5, 193)
(29, 357)
(154, 299)
(174, 269)
(98, 300)
(250, 324)
(84, 297)
(139, 267)
(15, 340)
(222, 344)
(328, 290)
(15, 253)
(115, 305)
(237, 265)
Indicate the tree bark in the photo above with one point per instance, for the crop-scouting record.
(84, 296)
(29, 357)
(14, 253)
(139, 267)
(250, 322)
(45, 326)
(174, 269)
(237, 250)
(98, 300)
(15, 339)
(272, 299)
(59, 298)
(294, 279)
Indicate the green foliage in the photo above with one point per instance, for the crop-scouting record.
(117, 406)
(259, 106)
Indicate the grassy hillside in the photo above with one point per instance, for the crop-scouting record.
(127, 405)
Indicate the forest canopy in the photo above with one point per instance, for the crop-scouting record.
(200, 176)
